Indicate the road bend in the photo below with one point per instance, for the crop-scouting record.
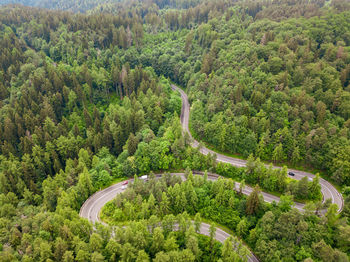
(92, 207)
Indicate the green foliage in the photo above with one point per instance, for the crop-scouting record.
(81, 106)
(297, 232)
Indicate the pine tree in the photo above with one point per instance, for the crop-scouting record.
(242, 228)
(303, 188)
(296, 156)
(132, 144)
(278, 154)
(197, 222)
(157, 240)
(253, 201)
(229, 254)
(315, 188)
(241, 186)
(142, 256)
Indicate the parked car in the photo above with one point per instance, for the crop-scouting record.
(291, 174)
(125, 182)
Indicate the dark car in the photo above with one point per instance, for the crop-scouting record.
(291, 174)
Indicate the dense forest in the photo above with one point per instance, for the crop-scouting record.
(86, 101)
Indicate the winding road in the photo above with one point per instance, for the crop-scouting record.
(327, 189)
(92, 207)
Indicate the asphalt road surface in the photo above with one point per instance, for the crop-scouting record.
(328, 190)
